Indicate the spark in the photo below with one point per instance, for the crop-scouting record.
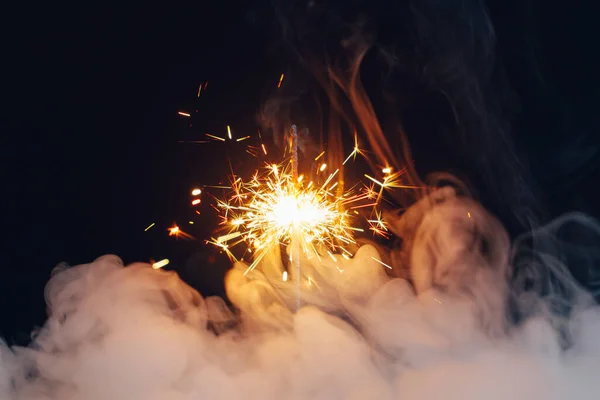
(320, 155)
(196, 192)
(381, 262)
(264, 148)
(280, 80)
(216, 187)
(378, 225)
(242, 138)
(229, 131)
(191, 222)
(160, 264)
(215, 137)
(199, 90)
(273, 208)
(149, 226)
(387, 170)
(390, 181)
(375, 180)
(184, 114)
(177, 232)
(355, 151)
(252, 150)
(323, 166)
(331, 255)
(284, 276)
(195, 202)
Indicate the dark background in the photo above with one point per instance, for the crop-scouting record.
(90, 126)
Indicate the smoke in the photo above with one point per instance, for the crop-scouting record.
(421, 72)
(456, 320)
(131, 332)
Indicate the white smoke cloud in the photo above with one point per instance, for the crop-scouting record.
(132, 333)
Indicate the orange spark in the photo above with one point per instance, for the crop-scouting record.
(177, 232)
(280, 80)
(183, 113)
(195, 202)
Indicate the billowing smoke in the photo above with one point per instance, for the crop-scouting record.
(131, 332)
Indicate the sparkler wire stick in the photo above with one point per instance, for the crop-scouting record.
(295, 242)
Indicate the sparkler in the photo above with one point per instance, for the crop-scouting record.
(277, 208)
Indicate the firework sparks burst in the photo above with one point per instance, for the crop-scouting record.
(273, 209)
